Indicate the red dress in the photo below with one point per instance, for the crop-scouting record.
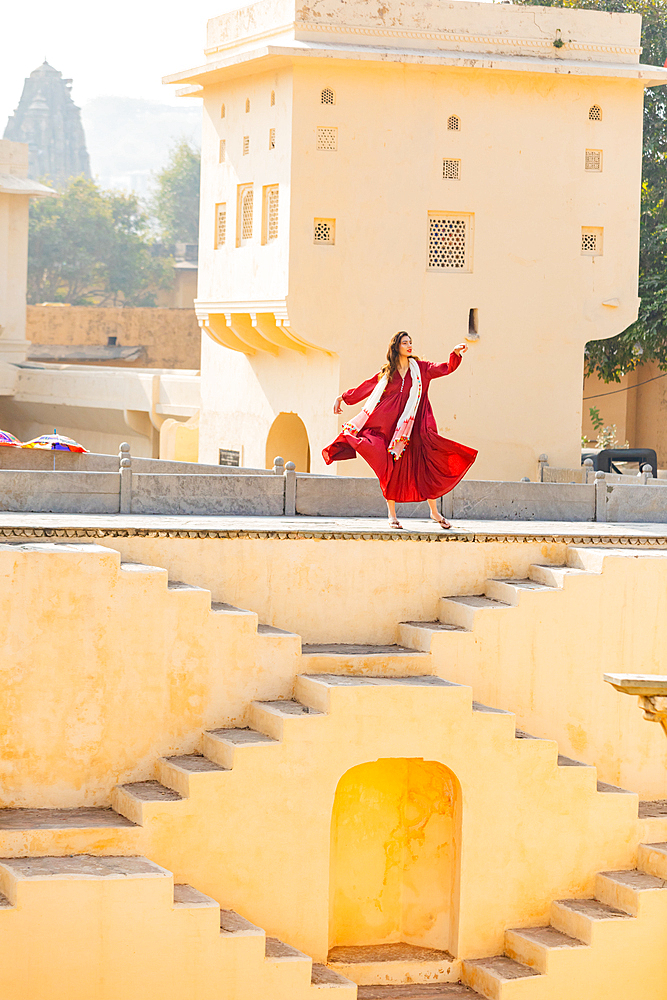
(430, 465)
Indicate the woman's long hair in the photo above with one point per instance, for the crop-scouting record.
(392, 354)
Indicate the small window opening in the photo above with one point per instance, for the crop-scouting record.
(324, 231)
(449, 239)
(591, 241)
(594, 160)
(246, 145)
(244, 214)
(454, 123)
(220, 225)
(222, 111)
(473, 331)
(273, 98)
(327, 137)
(451, 170)
(595, 113)
(272, 138)
(327, 96)
(270, 226)
(247, 105)
(223, 150)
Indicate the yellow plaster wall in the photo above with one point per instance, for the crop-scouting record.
(395, 845)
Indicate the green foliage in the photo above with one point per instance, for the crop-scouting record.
(175, 204)
(596, 419)
(645, 340)
(93, 247)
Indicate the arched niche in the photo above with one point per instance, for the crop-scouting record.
(395, 849)
(288, 438)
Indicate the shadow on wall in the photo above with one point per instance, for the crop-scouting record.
(288, 438)
(394, 855)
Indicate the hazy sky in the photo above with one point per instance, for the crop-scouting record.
(122, 48)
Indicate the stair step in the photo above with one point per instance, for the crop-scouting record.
(219, 607)
(416, 991)
(151, 791)
(397, 963)
(288, 707)
(478, 707)
(5, 904)
(570, 762)
(354, 680)
(520, 734)
(524, 583)
(489, 974)
(187, 896)
(321, 975)
(275, 948)
(398, 952)
(461, 610)
(357, 649)
(82, 866)
(594, 909)
(548, 937)
(263, 629)
(88, 817)
(242, 737)
(507, 590)
(232, 922)
(657, 807)
(612, 789)
(195, 762)
(552, 576)
(478, 601)
(179, 585)
(133, 567)
(435, 626)
(635, 879)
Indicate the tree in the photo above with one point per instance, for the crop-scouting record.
(176, 200)
(93, 247)
(646, 339)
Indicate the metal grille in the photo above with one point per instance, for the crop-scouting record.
(451, 170)
(454, 123)
(324, 231)
(223, 149)
(246, 214)
(247, 105)
(220, 225)
(246, 145)
(327, 137)
(447, 239)
(594, 159)
(273, 98)
(591, 241)
(272, 213)
(222, 111)
(327, 96)
(595, 113)
(272, 138)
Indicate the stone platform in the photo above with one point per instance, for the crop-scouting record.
(21, 525)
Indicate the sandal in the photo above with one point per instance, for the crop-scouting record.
(394, 523)
(444, 524)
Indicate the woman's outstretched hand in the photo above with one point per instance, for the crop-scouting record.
(460, 349)
(337, 407)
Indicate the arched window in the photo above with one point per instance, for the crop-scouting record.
(273, 98)
(288, 437)
(595, 113)
(222, 111)
(327, 96)
(454, 123)
(247, 105)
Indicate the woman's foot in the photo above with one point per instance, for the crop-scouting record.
(442, 521)
(394, 523)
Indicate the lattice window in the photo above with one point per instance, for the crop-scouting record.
(327, 96)
(247, 105)
(270, 226)
(222, 111)
(273, 98)
(449, 242)
(223, 151)
(324, 231)
(454, 123)
(451, 170)
(272, 138)
(594, 159)
(246, 145)
(220, 225)
(244, 214)
(327, 137)
(591, 241)
(595, 113)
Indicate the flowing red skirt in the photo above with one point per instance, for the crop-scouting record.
(429, 467)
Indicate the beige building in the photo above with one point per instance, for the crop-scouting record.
(456, 170)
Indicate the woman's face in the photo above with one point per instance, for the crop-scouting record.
(405, 346)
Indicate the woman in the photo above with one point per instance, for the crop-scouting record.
(396, 431)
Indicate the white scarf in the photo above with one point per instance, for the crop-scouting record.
(406, 419)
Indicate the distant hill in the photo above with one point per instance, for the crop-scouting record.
(129, 139)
